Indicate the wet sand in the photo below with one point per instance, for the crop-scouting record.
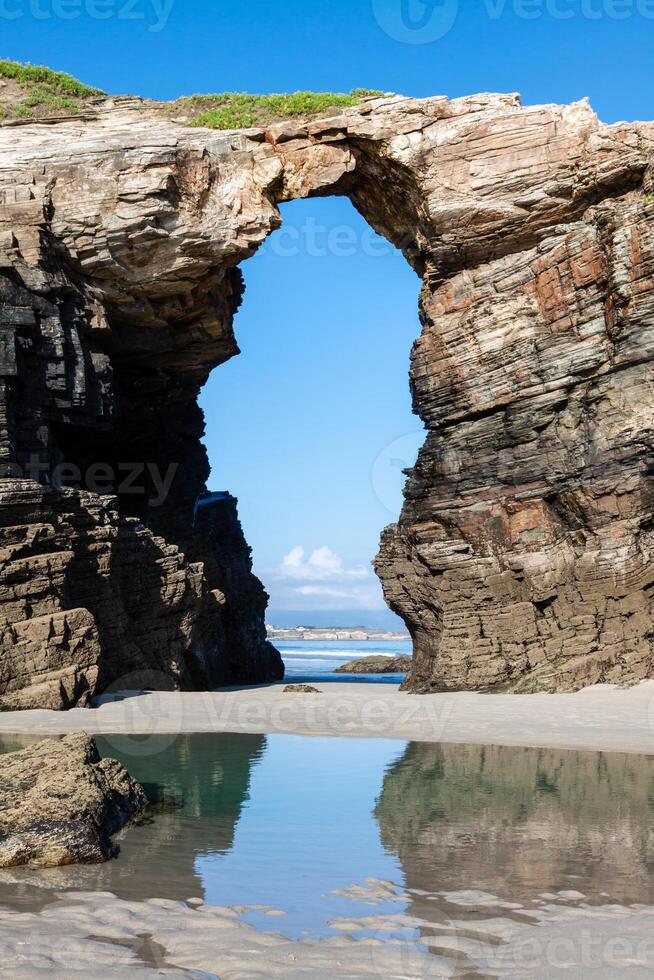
(601, 718)
(97, 934)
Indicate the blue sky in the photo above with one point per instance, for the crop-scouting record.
(311, 425)
(303, 425)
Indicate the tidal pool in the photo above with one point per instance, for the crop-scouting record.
(293, 823)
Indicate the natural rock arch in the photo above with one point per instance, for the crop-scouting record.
(522, 556)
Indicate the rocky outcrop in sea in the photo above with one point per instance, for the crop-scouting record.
(382, 664)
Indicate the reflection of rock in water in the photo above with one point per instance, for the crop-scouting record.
(208, 774)
(14, 743)
(516, 822)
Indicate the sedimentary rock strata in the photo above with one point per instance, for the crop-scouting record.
(522, 556)
(60, 804)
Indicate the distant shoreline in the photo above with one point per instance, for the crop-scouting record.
(325, 634)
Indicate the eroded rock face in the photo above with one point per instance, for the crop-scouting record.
(60, 804)
(522, 556)
(112, 606)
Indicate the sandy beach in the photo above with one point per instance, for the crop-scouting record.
(601, 718)
(475, 935)
(432, 934)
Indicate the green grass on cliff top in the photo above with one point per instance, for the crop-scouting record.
(240, 110)
(31, 91)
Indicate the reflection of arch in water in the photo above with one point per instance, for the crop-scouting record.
(209, 776)
(517, 821)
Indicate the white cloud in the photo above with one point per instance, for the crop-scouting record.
(320, 579)
(323, 590)
(294, 558)
(322, 565)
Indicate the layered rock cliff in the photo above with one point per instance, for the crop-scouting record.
(522, 556)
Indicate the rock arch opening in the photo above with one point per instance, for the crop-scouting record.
(522, 558)
(297, 425)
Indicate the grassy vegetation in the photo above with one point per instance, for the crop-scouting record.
(240, 110)
(33, 91)
(648, 198)
(56, 82)
(39, 91)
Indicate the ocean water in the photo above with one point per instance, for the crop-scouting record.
(316, 661)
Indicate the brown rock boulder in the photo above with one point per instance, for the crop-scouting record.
(60, 804)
